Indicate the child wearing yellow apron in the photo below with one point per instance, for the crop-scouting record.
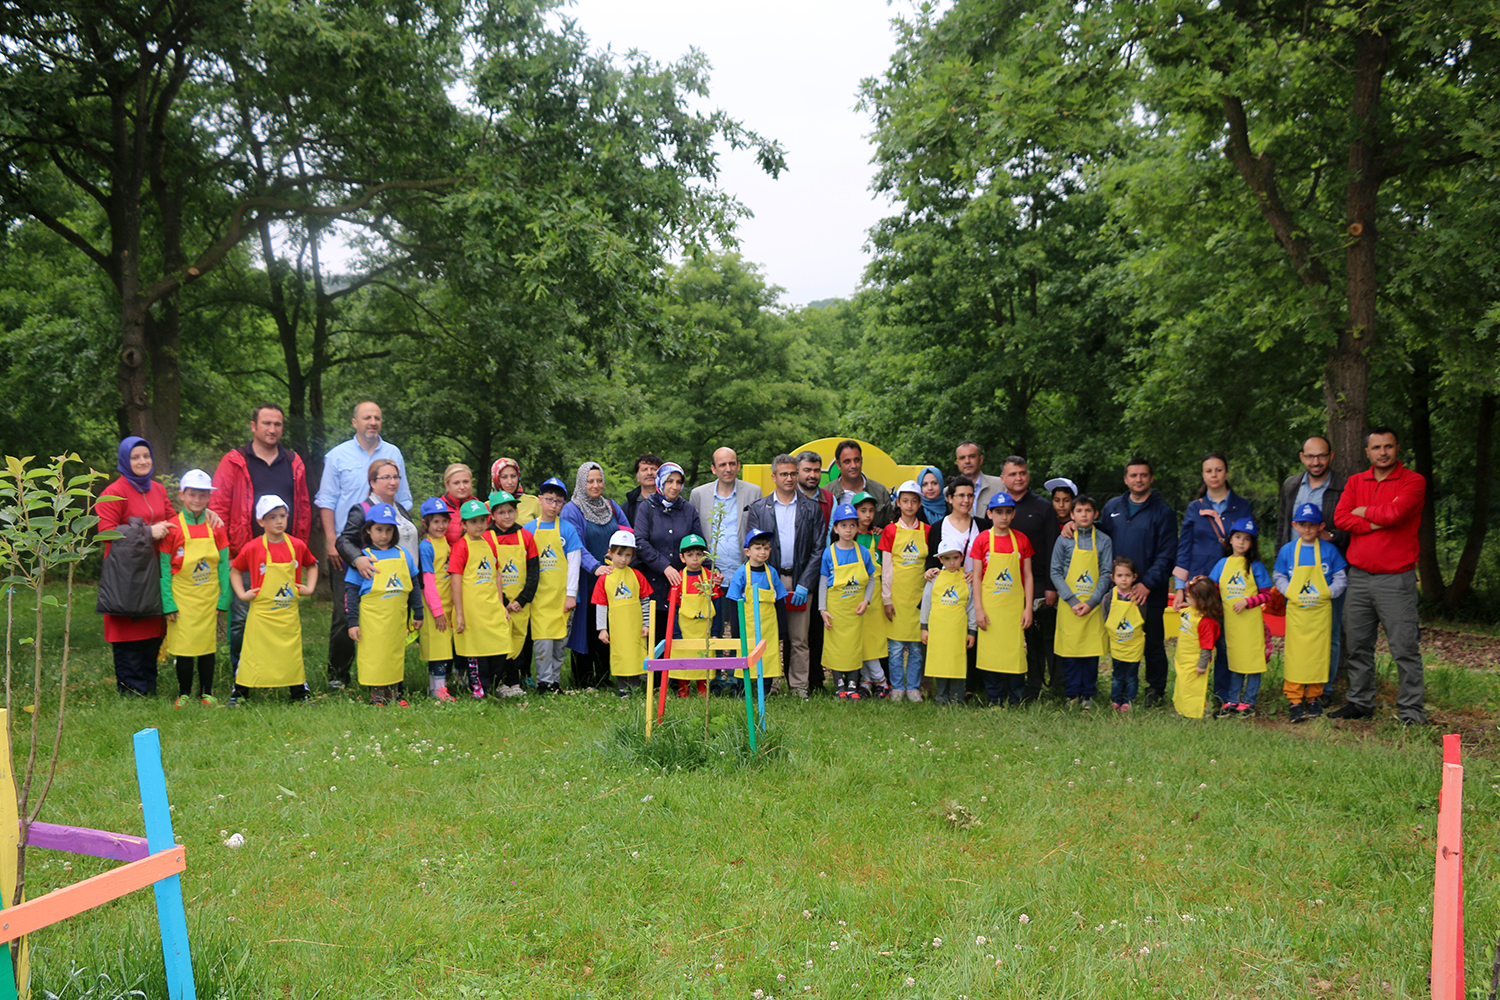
(1125, 628)
(559, 557)
(481, 631)
(1244, 585)
(948, 627)
(903, 561)
(1077, 569)
(695, 612)
(846, 588)
(384, 609)
(872, 676)
(194, 588)
(520, 569)
(1198, 630)
(761, 597)
(435, 640)
(1001, 576)
(281, 569)
(1310, 572)
(621, 599)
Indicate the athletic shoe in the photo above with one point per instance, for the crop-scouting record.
(336, 685)
(1088, 704)
(881, 690)
(476, 689)
(1071, 703)
(854, 694)
(377, 698)
(183, 701)
(441, 694)
(1153, 698)
(401, 703)
(234, 702)
(209, 701)
(1297, 713)
(1314, 709)
(1123, 706)
(1225, 711)
(1115, 705)
(914, 694)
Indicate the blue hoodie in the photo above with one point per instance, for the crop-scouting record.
(1148, 538)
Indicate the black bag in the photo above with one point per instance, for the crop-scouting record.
(130, 582)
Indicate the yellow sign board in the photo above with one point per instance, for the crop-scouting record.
(878, 465)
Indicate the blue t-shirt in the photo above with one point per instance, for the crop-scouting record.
(571, 542)
(845, 557)
(1297, 553)
(764, 580)
(1263, 579)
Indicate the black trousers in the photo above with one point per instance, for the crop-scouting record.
(1156, 649)
(341, 648)
(1039, 653)
(591, 669)
(203, 666)
(135, 665)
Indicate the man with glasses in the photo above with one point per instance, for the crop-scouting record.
(1317, 484)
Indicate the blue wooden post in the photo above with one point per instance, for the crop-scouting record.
(760, 681)
(745, 656)
(170, 913)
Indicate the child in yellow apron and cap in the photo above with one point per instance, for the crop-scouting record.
(436, 636)
(1125, 631)
(1002, 577)
(622, 601)
(384, 609)
(762, 599)
(520, 569)
(872, 676)
(948, 626)
(1199, 625)
(846, 589)
(695, 611)
(903, 568)
(281, 569)
(1311, 573)
(559, 557)
(481, 626)
(194, 588)
(1244, 586)
(1078, 569)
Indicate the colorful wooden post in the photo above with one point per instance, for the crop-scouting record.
(1448, 882)
(170, 913)
(672, 596)
(760, 685)
(749, 707)
(10, 845)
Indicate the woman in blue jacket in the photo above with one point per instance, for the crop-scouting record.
(662, 521)
(1203, 542)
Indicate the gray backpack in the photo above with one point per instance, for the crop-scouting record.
(130, 582)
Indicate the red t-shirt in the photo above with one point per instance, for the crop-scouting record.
(252, 558)
(1208, 632)
(517, 536)
(888, 536)
(458, 555)
(601, 593)
(172, 543)
(1013, 542)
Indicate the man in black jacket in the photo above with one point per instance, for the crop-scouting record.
(1036, 520)
(795, 523)
(1142, 527)
(645, 478)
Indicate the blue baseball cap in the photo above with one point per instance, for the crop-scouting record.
(756, 536)
(553, 484)
(433, 505)
(1247, 525)
(844, 512)
(1001, 499)
(381, 513)
(1309, 512)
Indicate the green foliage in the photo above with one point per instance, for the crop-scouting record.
(680, 743)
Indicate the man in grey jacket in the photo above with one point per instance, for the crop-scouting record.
(1317, 484)
(795, 523)
(723, 505)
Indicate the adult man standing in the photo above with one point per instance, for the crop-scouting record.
(722, 506)
(809, 482)
(345, 483)
(1035, 519)
(1381, 509)
(1142, 527)
(852, 481)
(264, 467)
(1317, 484)
(796, 552)
(645, 479)
(970, 459)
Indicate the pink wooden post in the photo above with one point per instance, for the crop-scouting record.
(1448, 883)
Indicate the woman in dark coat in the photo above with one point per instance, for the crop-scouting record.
(595, 517)
(662, 521)
(135, 642)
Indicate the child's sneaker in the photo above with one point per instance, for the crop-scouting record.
(854, 694)
(183, 701)
(1226, 711)
(476, 689)
(377, 698)
(234, 702)
(1088, 704)
(840, 689)
(401, 703)
(1297, 713)
(1123, 706)
(1115, 705)
(1314, 708)
(1071, 703)
(1243, 710)
(442, 695)
(881, 690)
(209, 701)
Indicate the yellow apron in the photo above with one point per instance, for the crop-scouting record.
(1244, 633)
(1191, 690)
(1084, 636)
(1309, 621)
(272, 653)
(486, 632)
(948, 627)
(435, 645)
(627, 650)
(513, 579)
(909, 554)
(844, 643)
(770, 630)
(528, 509)
(195, 590)
(1126, 628)
(1001, 648)
(695, 617)
(381, 659)
(548, 619)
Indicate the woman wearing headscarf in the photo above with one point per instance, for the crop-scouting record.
(930, 482)
(505, 475)
(135, 642)
(458, 486)
(595, 517)
(662, 521)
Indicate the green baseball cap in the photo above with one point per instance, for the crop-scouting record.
(499, 497)
(473, 508)
(861, 497)
(693, 542)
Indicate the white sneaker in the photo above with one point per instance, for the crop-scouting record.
(1088, 704)
(914, 695)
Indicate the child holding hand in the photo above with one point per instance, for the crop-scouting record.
(382, 610)
(194, 588)
(948, 626)
(846, 587)
(622, 599)
(1244, 586)
(1200, 623)
(281, 569)
(1125, 625)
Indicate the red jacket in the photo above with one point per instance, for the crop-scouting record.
(234, 498)
(1395, 503)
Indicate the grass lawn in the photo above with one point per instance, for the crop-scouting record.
(891, 851)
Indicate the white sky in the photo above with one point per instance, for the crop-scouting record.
(790, 71)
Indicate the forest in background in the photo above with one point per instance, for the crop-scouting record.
(1158, 229)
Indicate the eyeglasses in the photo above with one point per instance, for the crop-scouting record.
(388, 479)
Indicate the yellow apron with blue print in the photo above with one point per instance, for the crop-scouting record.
(770, 630)
(1126, 628)
(695, 619)
(1083, 636)
(1309, 621)
(272, 652)
(548, 619)
(844, 643)
(435, 645)
(512, 556)
(1191, 690)
(1001, 648)
(486, 631)
(383, 613)
(1244, 632)
(909, 559)
(948, 627)
(627, 648)
(195, 591)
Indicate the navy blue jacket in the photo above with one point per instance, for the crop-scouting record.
(1149, 538)
(659, 532)
(1199, 547)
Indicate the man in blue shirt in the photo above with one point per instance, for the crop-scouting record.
(345, 483)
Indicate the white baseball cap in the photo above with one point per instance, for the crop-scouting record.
(268, 503)
(910, 486)
(953, 547)
(195, 479)
(1061, 484)
(624, 537)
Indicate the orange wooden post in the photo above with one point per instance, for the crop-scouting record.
(1447, 890)
(71, 900)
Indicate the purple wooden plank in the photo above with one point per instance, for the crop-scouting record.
(94, 843)
(700, 663)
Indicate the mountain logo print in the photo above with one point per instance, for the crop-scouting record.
(284, 597)
(1085, 579)
(202, 573)
(623, 590)
(950, 596)
(393, 586)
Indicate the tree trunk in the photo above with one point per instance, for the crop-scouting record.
(317, 436)
(1429, 570)
(1484, 476)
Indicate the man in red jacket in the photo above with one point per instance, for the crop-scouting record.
(264, 467)
(1381, 509)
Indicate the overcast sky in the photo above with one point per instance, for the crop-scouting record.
(790, 71)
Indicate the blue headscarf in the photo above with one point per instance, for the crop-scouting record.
(142, 484)
(933, 511)
(666, 469)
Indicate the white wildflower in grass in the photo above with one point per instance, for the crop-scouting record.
(808, 963)
(1070, 784)
(759, 994)
(1212, 761)
(1025, 919)
(833, 946)
(1204, 785)
(647, 798)
(937, 942)
(1144, 950)
(1077, 760)
(781, 977)
(910, 982)
(842, 924)
(981, 940)
(806, 914)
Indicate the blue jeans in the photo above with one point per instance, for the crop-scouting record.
(1243, 688)
(906, 664)
(1126, 681)
(1080, 675)
(1336, 648)
(1007, 688)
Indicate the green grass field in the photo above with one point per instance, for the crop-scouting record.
(524, 850)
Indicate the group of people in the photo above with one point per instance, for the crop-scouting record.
(970, 581)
